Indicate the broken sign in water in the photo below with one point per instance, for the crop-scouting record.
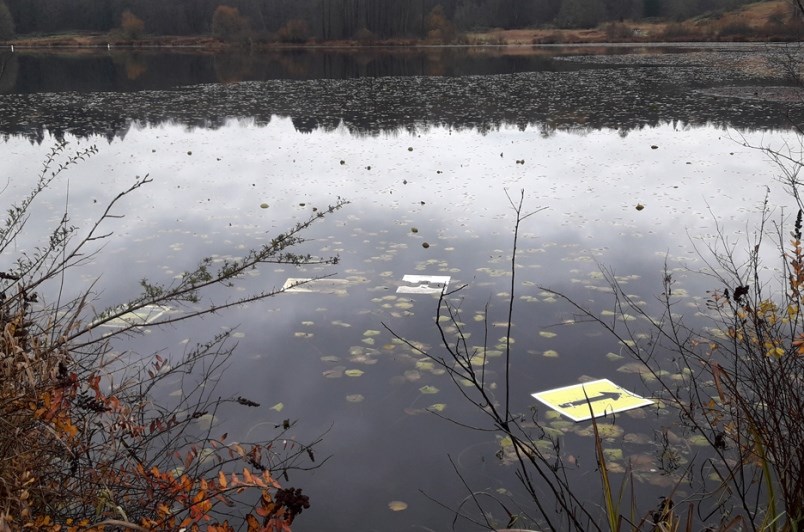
(142, 316)
(423, 284)
(580, 402)
(311, 284)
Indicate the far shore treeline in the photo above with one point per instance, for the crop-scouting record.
(301, 20)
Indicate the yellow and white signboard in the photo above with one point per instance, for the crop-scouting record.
(603, 396)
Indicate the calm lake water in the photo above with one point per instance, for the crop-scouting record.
(424, 144)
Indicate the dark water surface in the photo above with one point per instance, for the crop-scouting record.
(424, 144)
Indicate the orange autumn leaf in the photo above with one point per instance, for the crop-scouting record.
(253, 524)
(269, 480)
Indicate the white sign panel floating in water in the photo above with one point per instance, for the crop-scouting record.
(423, 284)
(143, 316)
(309, 285)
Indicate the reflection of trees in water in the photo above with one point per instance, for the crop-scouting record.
(231, 68)
(134, 65)
(617, 98)
(8, 71)
(156, 69)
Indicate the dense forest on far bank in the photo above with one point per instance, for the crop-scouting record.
(369, 21)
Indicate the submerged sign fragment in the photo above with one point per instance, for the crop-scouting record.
(309, 285)
(580, 402)
(147, 314)
(423, 284)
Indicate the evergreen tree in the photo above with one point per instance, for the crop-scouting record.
(6, 22)
(581, 13)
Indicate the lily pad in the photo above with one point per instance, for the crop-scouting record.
(425, 365)
(428, 390)
(334, 373)
(606, 431)
(397, 506)
(412, 375)
(613, 454)
(698, 440)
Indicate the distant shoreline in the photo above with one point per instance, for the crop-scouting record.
(486, 39)
(758, 22)
(610, 33)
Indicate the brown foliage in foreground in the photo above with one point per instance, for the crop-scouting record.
(84, 441)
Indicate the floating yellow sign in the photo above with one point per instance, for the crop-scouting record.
(603, 396)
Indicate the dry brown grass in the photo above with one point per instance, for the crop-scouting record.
(761, 21)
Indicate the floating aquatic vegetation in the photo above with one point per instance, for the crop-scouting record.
(206, 421)
(562, 425)
(397, 506)
(636, 438)
(607, 431)
(551, 414)
(412, 375)
(334, 373)
(425, 365)
(698, 440)
(612, 455)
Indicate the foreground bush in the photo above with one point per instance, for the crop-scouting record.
(84, 444)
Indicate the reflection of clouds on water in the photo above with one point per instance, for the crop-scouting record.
(207, 197)
(210, 187)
